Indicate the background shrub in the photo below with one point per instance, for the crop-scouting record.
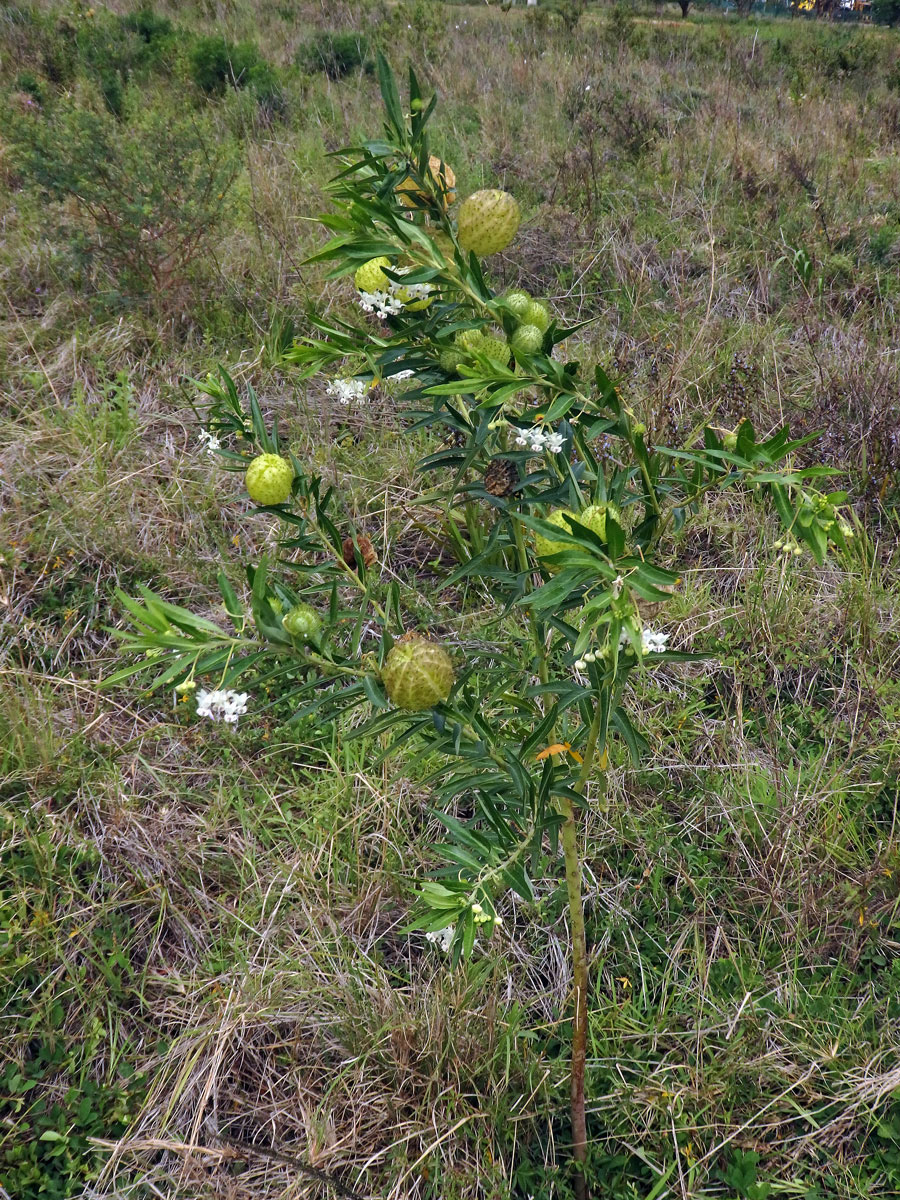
(886, 12)
(337, 54)
(143, 194)
(217, 64)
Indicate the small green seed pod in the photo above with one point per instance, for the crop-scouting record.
(302, 622)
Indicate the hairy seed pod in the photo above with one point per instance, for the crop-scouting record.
(536, 313)
(302, 622)
(370, 277)
(411, 195)
(362, 554)
(593, 517)
(500, 477)
(487, 221)
(527, 339)
(417, 674)
(268, 480)
(517, 302)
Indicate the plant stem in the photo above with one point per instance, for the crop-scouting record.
(537, 638)
(580, 989)
(569, 837)
(579, 956)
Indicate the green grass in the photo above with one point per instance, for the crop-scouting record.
(201, 932)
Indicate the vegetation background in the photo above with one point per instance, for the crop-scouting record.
(200, 928)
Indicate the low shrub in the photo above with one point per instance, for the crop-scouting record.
(143, 194)
(217, 64)
(337, 54)
(886, 12)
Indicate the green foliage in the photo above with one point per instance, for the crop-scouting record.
(217, 64)
(146, 192)
(741, 1175)
(630, 125)
(103, 47)
(830, 53)
(420, 24)
(569, 548)
(577, 605)
(884, 1161)
(152, 28)
(720, 869)
(29, 83)
(621, 28)
(569, 13)
(52, 1101)
(336, 54)
(886, 12)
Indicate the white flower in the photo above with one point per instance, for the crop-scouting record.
(538, 440)
(652, 642)
(412, 291)
(224, 706)
(441, 937)
(346, 390)
(401, 375)
(580, 664)
(210, 442)
(389, 303)
(381, 303)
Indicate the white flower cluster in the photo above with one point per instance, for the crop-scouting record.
(224, 706)
(388, 303)
(537, 440)
(651, 641)
(414, 291)
(380, 303)
(345, 390)
(441, 938)
(210, 442)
